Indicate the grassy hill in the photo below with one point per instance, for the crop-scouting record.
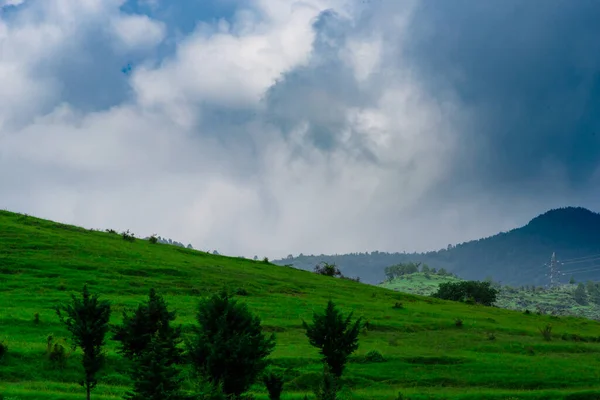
(558, 301)
(427, 355)
(516, 257)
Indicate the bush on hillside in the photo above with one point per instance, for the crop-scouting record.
(153, 239)
(478, 292)
(152, 316)
(327, 269)
(229, 347)
(3, 350)
(128, 236)
(274, 384)
(335, 337)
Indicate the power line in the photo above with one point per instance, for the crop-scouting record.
(570, 260)
(586, 269)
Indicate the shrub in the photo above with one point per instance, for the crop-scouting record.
(334, 336)
(111, 231)
(3, 349)
(155, 376)
(546, 332)
(472, 291)
(56, 353)
(327, 269)
(491, 336)
(329, 386)
(137, 330)
(274, 384)
(241, 291)
(266, 260)
(398, 306)
(36, 318)
(458, 322)
(527, 312)
(229, 346)
(374, 356)
(128, 236)
(153, 239)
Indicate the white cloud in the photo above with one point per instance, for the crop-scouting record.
(193, 152)
(135, 31)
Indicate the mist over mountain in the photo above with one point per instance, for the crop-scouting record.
(516, 257)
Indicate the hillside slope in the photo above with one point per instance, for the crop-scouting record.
(516, 257)
(427, 355)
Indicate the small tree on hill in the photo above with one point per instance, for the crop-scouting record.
(155, 376)
(327, 269)
(229, 347)
(137, 330)
(87, 321)
(334, 336)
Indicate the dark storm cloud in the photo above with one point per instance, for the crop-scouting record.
(528, 73)
(318, 94)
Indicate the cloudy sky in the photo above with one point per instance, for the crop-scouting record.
(271, 127)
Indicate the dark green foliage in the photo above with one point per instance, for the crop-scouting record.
(580, 295)
(229, 347)
(153, 239)
(374, 356)
(241, 291)
(274, 384)
(334, 336)
(478, 292)
(155, 376)
(3, 350)
(36, 318)
(458, 322)
(327, 269)
(398, 305)
(128, 236)
(56, 353)
(546, 332)
(329, 386)
(152, 316)
(398, 270)
(87, 321)
(491, 336)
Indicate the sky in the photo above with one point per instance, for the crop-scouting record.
(276, 127)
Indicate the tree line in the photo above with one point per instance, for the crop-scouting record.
(396, 271)
(227, 349)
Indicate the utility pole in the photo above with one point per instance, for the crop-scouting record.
(554, 272)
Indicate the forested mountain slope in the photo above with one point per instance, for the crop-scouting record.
(516, 257)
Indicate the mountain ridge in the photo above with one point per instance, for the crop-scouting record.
(517, 256)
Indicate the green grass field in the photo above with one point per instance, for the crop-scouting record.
(427, 355)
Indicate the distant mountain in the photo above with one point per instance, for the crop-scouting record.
(516, 257)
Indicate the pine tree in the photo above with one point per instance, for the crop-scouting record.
(335, 337)
(137, 330)
(87, 321)
(155, 377)
(229, 347)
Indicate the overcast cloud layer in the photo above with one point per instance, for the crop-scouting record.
(271, 127)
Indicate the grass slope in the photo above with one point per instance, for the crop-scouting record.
(428, 357)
